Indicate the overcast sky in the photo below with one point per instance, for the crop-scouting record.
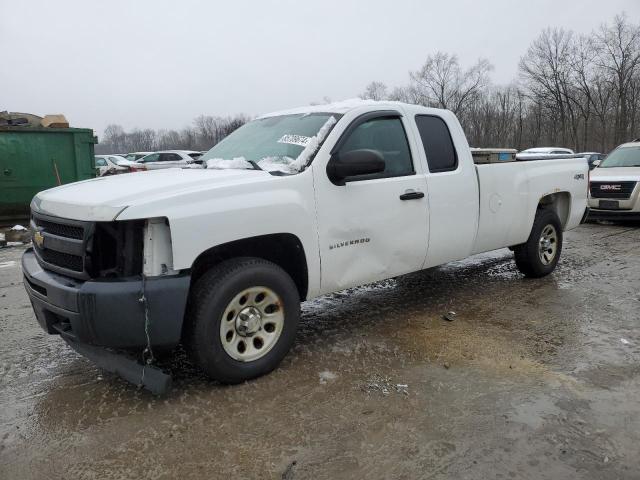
(159, 64)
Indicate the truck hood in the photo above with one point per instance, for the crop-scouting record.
(104, 198)
(616, 174)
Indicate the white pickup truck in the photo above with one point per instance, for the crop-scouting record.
(293, 205)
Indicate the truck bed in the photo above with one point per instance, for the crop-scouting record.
(507, 191)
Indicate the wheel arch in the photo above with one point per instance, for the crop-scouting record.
(560, 203)
(283, 249)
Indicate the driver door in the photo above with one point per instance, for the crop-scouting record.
(374, 226)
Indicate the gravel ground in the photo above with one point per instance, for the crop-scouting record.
(532, 379)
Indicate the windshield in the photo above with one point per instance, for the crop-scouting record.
(622, 157)
(284, 143)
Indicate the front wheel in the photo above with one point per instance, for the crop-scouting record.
(243, 317)
(539, 255)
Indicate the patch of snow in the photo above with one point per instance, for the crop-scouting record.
(17, 228)
(312, 146)
(327, 376)
(624, 341)
(277, 164)
(8, 264)
(334, 107)
(222, 164)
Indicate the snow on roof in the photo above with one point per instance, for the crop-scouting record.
(543, 149)
(629, 144)
(335, 107)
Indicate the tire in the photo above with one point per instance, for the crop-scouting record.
(219, 321)
(532, 258)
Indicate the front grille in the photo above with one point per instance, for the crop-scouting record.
(63, 260)
(61, 244)
(616, 190)
(60, 229)
(85, 250)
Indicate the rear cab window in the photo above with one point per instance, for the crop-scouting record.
(437, 142)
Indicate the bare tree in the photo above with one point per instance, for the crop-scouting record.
(375, 91)
(618, 57)
(441, 82)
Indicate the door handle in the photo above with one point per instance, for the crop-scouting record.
(7, 171)
(411, 196)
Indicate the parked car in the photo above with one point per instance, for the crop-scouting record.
(135, 156)
(369, 190)
(593, 158)
(170, 159)
(540, 152)
(614, 187)
(110, 165)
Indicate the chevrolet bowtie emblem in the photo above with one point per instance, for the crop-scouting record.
(38, 239)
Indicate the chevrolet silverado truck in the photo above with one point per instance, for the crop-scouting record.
(292, 205)
(614, 188)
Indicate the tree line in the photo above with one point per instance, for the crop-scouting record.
(205, 132)
(580, 91)
(577, 91)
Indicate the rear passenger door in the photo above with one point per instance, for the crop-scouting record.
(374, 226)
(452, 186)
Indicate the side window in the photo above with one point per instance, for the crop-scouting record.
(101, 162)
(387, 136)
(437, 142)
(151, 158)
(169, 157)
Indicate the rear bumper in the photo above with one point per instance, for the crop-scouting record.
(595, 214)
(106, 313)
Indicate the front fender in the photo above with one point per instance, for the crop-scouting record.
(202, 220)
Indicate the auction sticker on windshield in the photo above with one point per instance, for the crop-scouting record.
(295, 140)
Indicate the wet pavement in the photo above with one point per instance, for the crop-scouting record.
(533, 379)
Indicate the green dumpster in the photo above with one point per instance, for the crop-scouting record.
(34, 159)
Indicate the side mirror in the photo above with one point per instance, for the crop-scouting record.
(353, 163)
(596, 163)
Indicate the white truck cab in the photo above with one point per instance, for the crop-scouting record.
(293, 205)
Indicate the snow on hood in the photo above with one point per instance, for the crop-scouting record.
(104, 198)
(222, 164)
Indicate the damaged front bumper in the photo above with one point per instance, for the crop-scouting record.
(94, 314)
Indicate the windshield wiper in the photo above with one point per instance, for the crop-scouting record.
(254, 165)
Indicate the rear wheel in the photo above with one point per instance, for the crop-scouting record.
(243, 318)
(539, 255)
